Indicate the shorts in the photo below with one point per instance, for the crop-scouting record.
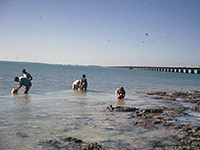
(28, 86)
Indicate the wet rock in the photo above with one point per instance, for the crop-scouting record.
(189, 141)
(154, 143)
(153, 120)
(196, 108)
(188, 128)
(70, 143)
(151, 117)
(192, 100)
(158, 93)
(191, 97)
(191, 138)
(180, 94)
(175, 112)
(170, 99)
(93, 146)
(147, 112)
(167, 124)
(110, 107)
(143, 124)
(75, 140)
(127, 109)
(22, 134)
(121, 108)
(159, 98)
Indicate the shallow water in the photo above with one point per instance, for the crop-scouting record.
(52, 109)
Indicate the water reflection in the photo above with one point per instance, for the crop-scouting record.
(20, 120)
(22, 99)
(21, 106)
(80, 92)
(120, 102)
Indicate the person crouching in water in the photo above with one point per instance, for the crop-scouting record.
(120, 93)
(83, 82)
(23, 82)
(76, 85)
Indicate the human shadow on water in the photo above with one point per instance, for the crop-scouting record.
(25, 98)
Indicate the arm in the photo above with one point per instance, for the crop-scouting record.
(81, 80)
(31, 78)
(116, 93)
(19, 86)
(124, 93)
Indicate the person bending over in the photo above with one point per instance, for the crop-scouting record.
(76, 85)
(120, 93)
(23, 82)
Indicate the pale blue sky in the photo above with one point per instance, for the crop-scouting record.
(101, 32)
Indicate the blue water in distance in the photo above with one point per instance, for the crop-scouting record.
(52, 109)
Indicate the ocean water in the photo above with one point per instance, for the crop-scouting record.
(52, 109)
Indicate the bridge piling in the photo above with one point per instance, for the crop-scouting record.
(192, 70)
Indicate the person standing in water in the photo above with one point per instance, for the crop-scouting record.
(76, 85)
(27, 75)
(83, 82)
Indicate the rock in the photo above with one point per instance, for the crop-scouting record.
(158, 93)
(191, 97)
(174, 112)
(167, 124)
(154, 143)
(121, 108)
(93, 146)
(110, 107)
(70, 143)
(78, 141)
(127, 109)
(21, 134)
(148, 112)
(196, 108)
(143, 124)
(179, 94)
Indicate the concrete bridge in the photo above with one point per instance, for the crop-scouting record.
(193, 70)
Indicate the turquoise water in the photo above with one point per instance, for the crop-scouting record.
(52, 109)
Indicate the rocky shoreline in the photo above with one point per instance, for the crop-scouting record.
(150, 118)
(164, 116)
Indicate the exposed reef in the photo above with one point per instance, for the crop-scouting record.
(166, 117)
(70, 143)
(150, 118)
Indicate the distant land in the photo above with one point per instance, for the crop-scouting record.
(121, 66)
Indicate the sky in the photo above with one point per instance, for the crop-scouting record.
(101, 32)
